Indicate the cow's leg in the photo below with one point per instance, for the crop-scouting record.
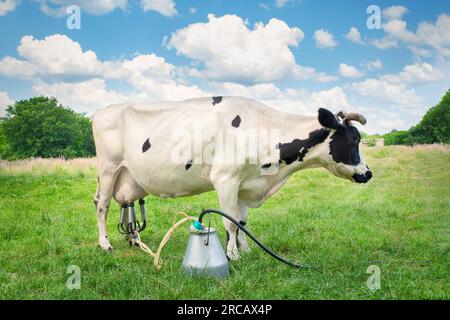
(97, 194)
(228, 203)
(105, 189)
(242, 218)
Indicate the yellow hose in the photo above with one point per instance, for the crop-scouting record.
(157, 261)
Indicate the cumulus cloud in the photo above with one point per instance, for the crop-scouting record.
(374, 65)
(83, 96)
(164, 7)
(5, 101)
(58, 66)
(324, 39)
(305, 73)
(7, 6)
(383, 91)
(433, 35)
(54, 55)
(98, 7)
(394, 12)
(397, 89)
(348, 71)
(417, 73)
(354, 35)
(228, 50)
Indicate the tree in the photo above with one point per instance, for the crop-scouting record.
(435, 124)
(433, 128)
(40, 127)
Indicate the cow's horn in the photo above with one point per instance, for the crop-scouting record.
(355, 117)
(341, 114)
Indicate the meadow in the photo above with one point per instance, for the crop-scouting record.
(400, 222)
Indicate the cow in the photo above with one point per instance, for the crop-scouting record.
(135, 147)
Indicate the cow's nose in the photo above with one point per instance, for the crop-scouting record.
(362, 178)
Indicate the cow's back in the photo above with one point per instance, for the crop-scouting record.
(149, 138)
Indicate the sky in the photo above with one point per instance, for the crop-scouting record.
(388, 60)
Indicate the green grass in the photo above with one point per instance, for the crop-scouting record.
(400, 221)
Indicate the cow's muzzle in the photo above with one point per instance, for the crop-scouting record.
(362, 178)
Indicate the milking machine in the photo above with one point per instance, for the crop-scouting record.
(128, 224)
(204, 255)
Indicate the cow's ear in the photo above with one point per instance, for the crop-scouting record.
(327, 119)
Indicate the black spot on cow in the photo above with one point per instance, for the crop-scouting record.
(344, 145)
(147, 145)
(188, 164)
(216, 100)
(297, 149)
(236, 121)
(266, 166)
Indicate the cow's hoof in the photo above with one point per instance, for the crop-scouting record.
(105, 246)
(233, 255)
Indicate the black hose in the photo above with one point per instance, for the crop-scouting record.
(240, 226)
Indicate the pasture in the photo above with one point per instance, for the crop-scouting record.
(400, 222)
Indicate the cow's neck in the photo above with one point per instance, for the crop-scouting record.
(304, 147)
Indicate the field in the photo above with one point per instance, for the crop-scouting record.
(400, 222)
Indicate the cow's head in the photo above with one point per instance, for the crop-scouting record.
(344, 159)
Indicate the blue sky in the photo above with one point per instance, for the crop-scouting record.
(296, 55)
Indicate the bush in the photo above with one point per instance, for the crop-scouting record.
(397, 137)
(40, 127)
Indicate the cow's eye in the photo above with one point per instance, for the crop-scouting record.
(356, 139)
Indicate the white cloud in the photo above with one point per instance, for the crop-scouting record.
(82, 96)
(354, 35)
(98, 7)
(394, 12)
(54, 55)
(417, 73)
(397, 89)
(383, 91)
(11, 67)
(305, 73)
(280, 3)
(193, 10)
(5, 101)
(228, 50)
(433, 35)
(374, 65)
(164, 7)
(385, 43)
(348, 71)
(58, 66)
(324, 39)
(7, 6)
(419, 52)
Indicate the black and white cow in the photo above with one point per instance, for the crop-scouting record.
(161, 149)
